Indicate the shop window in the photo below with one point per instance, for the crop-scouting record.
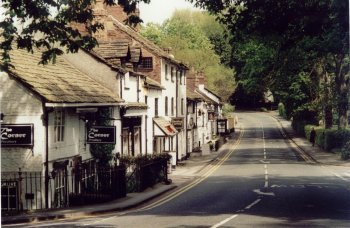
(137, 141)
(146, 63)
(59, 122)
(126, 142)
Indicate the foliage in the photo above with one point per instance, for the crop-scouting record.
(303, 117)
(345, 152)
(50, 25)
(138, 160)
(336, 139)
(282, 110)
(101, 152)
(227, 109)
(304, 34)
(197, 40)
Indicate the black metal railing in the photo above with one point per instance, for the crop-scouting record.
(25, 191)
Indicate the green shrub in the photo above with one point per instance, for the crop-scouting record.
(282, 110)
(319, 140)
(345, 152)
(336, 139)
(227, 109)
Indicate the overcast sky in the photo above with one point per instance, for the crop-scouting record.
(159, 10)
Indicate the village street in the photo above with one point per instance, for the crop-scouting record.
(263, 181)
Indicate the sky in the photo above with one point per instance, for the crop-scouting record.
(157, 11)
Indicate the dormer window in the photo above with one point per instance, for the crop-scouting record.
(146, 63)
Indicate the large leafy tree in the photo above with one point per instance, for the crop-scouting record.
(317, 30)
(192, 41)
(50, 24)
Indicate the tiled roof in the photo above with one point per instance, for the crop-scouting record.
(191, 95)
(205, 97)
(152, 84)
(59, 82)
(135, 105)
(144, 42)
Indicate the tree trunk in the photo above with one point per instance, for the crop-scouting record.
(342, 88)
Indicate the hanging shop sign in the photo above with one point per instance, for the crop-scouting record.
(178, 123)
(17, 135)
(101, 134)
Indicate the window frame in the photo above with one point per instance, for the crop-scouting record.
(156, 107)
(146, 63)
(166, 106)
(59, 125)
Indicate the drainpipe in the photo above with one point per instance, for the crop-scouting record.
(46, 126)
(177, 114)
(138, 89)
(146, 138)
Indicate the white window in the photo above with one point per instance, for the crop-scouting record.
(126, 80)
(59, 123)
(166, 72)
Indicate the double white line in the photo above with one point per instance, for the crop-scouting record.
(211, 169)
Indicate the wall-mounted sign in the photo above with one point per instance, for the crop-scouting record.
(178, 123)
(222, 126)
(101, 134)
(17, 135)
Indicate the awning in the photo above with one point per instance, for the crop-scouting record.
(163, 127)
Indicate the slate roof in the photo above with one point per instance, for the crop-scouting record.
(59, 82)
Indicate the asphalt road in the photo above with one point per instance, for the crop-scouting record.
(262, 182)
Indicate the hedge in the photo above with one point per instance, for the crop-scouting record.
(329, 139)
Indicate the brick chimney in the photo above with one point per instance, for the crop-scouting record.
(195, 78)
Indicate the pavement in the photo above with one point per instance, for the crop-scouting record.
(185, 172)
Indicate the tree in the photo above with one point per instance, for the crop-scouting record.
(50, 24)
(186, 32)
(320, 26)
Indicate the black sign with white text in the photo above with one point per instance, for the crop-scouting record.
(101, 134)
(17, 135)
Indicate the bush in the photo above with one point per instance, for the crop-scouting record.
(345, 152)
(336, 139)
(319, 140)
(227, 109)
(282, 110)
(303, 117)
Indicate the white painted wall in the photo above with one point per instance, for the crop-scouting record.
(21, 106)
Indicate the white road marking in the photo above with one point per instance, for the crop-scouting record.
(259, 192)
(224, 221)
(252, 204)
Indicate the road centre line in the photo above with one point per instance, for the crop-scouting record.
(173, 195)
(252, 204)
(235, 215)
(224, 221)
